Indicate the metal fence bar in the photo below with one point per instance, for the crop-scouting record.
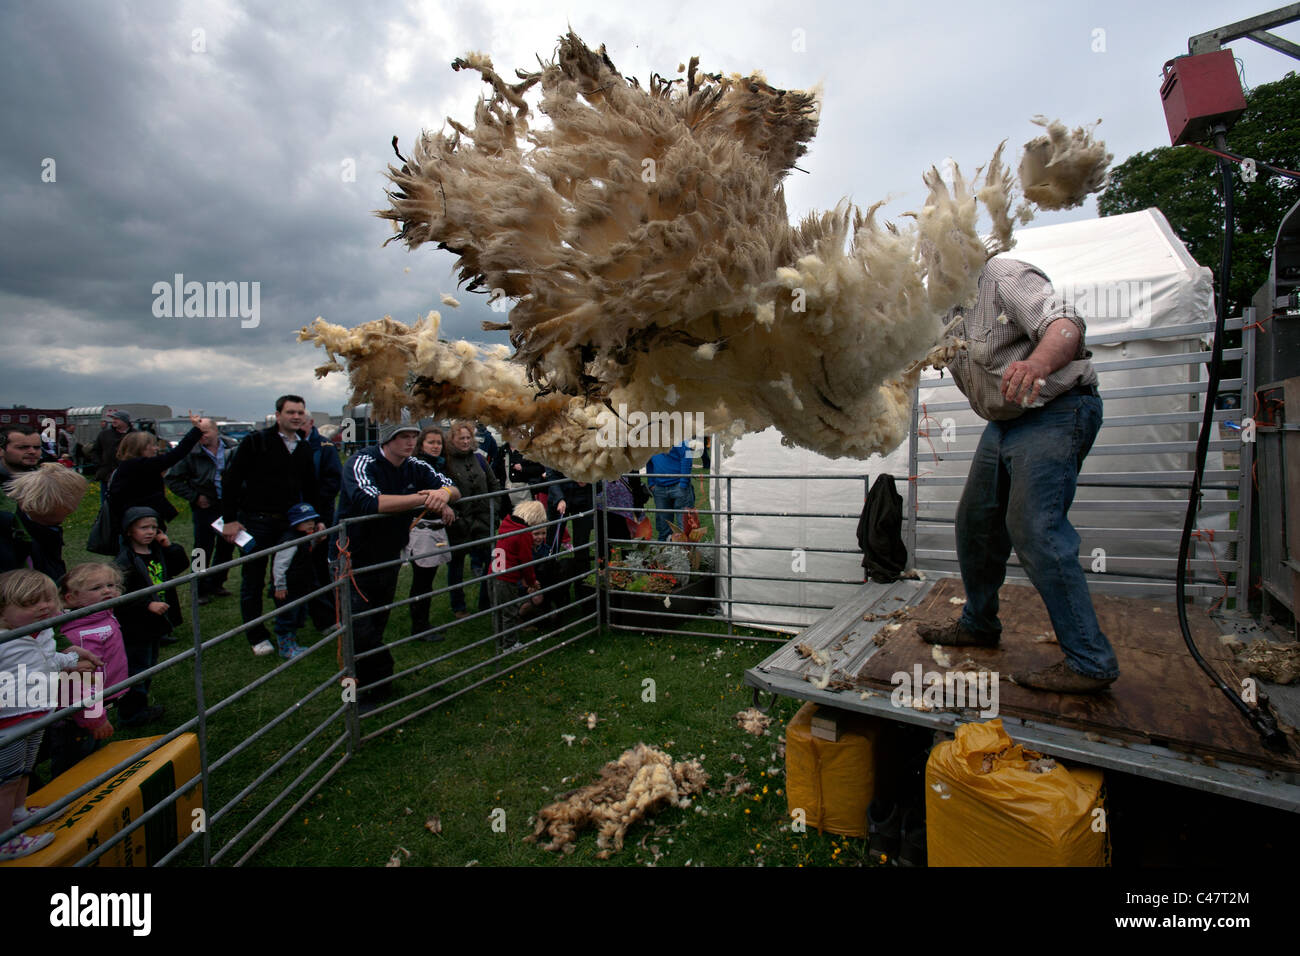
(201, 710)
(1246, 468)
(274, 722)
(267, 774)
(341, 739)
(480, 683)
(288, 814)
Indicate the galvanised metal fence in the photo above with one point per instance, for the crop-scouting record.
(308, 708)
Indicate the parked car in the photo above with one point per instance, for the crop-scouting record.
(236, 430)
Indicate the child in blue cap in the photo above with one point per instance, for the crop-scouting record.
(294, 575)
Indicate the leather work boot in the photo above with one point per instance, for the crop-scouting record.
(952, 633)
(1063, 680)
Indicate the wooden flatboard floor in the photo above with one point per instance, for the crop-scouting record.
(1161, 697)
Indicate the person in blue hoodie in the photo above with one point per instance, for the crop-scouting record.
(672, 493)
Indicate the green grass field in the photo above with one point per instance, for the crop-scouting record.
(495, 753)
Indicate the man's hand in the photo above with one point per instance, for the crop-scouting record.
(230, 530)
(448, 516)
(158, 607)
(562, 507)
(1022, 381)
(281, 594)
(434, 500)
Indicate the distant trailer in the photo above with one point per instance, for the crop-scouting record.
(22, 415)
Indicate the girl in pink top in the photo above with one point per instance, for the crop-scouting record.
(99, 632)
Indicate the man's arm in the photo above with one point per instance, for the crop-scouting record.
(439, 490)
(181, 479)
(362, 496)
(1022, 381)
(1027, 297)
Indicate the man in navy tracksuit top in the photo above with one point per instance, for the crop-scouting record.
(385, 480)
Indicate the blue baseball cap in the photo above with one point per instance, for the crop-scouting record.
(302, 512)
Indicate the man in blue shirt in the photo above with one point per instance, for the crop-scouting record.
(384, 480)
(673, 492)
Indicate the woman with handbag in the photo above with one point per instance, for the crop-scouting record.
(427, 548)
(138, 481)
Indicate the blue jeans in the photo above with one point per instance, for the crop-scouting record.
(1018, 493)
(669, 500)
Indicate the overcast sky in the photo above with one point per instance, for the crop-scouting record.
(214, 140)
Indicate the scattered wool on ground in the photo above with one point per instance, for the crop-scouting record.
(642, 781)
(753, 721)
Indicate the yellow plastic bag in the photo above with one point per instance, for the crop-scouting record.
(832, 783)
(985, 805)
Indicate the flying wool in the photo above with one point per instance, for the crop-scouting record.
(642, 237)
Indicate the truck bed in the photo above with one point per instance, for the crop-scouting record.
(1163, 719)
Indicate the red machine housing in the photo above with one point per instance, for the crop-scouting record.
(1199, 92)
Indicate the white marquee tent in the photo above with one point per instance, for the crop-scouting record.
(1127, 275)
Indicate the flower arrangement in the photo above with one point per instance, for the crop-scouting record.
(659, 567)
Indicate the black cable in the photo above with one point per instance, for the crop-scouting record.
(1261, 716)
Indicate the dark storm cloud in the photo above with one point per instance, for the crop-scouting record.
(226, 163)
(219, 155)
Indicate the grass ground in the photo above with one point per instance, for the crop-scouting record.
(501, 746)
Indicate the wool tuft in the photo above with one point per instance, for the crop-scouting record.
(640, 782)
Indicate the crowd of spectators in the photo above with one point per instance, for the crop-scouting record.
(442, 497)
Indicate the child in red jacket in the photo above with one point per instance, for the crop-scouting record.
(517, 536)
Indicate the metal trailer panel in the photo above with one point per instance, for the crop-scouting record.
(783, 673)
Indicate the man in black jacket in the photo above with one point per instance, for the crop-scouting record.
(104, 454)
(199, 479)
(272, 470)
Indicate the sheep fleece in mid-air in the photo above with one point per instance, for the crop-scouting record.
(642, 239)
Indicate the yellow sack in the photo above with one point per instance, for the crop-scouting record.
(831, 782)
(985, 805)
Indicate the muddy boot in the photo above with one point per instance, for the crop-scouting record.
(1062, 679)
(953, 634)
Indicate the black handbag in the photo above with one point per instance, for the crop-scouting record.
(102, 540)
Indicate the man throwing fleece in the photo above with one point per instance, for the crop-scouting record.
(1027, 372)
